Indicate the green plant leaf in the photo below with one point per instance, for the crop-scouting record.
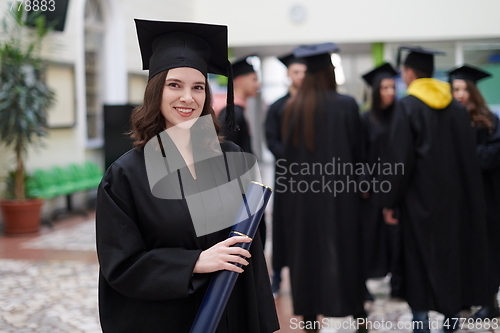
(24, 97)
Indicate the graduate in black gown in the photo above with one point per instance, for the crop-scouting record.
(246, 85)
(320, 128)
(380, 240)
(296, 69)
(439, 195)
(486, 125)
(154, 264)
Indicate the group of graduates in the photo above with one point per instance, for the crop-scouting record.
(436, 228)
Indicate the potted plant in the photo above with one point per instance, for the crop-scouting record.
(24, 101)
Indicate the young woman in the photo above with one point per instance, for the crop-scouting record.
(379, 239)
(321, 128)
(155, 265)
(464, 87)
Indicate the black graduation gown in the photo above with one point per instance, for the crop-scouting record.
(240, 136)
(323, 229)
(440, 197)
(274, 121)
(379, 238)
(488, 148)
(147, 248)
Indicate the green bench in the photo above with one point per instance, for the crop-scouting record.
(57, 181)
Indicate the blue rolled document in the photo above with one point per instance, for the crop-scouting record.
(250, 213)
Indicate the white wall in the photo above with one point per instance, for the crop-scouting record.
(267, 22)
(152, 10)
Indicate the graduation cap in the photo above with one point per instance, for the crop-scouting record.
(317, 56)
(469, 73)
(166, 45)
(384, 71)
(289, 59)
(419, 58)
(242, 66)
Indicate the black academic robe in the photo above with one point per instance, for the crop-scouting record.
(241, 136)
(274, 121)
(147, 248)
(488, 148)
(323, 227)
(379, 238)
(440, 197)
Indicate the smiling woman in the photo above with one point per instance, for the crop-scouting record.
(183, 96)
(165, 91)
(154, 266)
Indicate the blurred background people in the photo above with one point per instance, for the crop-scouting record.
(439, 195)
(246, 84)
(380, 247)
(486, 125)
(296, 70)
(322, 226)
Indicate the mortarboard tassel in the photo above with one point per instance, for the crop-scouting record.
(229, 121)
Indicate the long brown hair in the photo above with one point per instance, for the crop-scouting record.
(376, 110)
(479, 113)
(147, 120)
(300, 110)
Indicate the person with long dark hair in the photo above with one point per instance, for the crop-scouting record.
(486, 124)
(322, 129)
(380, 247)
(160, 205)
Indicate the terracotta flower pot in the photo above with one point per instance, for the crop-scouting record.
(21, 217)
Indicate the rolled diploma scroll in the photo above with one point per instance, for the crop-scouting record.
(250, 213)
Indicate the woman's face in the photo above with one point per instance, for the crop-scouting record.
(183, 95)
(460, 92)
(387, 92)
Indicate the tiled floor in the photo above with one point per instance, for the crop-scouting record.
(49, 281)
(49, 284)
